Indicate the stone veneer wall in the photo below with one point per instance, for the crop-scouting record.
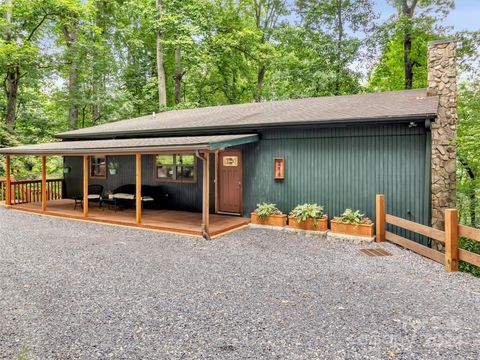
(442, 82)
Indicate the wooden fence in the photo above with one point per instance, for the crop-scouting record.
(30, 191)
(449, 237)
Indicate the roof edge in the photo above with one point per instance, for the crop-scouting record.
(193, 131)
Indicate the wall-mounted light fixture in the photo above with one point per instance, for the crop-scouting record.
(67, 170)
(279, 168)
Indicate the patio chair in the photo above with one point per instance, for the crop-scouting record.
(95, 192)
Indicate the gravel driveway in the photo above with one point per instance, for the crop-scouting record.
(73, 290)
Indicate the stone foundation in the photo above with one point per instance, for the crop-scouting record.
(442, 82)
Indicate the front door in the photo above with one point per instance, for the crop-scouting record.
(230, 181)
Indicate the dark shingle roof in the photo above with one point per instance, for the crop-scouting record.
(385, 106)
(130, 146)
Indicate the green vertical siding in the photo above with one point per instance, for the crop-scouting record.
(341, 168)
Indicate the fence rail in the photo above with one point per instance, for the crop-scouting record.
(30, 191)
(449, 237)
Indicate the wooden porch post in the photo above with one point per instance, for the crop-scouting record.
(206, 194)
(8, 182)
(85, 185)
(451, 240)
(216, 181)
(44, 183)
(380, 218)
(138, 184)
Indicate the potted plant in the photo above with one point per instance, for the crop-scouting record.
(352, 223)
(268, 214)
(308, 217)
(113, 167)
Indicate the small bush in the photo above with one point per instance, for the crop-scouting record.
(308, 211)
(472, 246)
(264, 210)
(353, 217)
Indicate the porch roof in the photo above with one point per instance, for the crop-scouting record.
(132, 146)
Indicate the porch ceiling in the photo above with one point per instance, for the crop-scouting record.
(132, 146)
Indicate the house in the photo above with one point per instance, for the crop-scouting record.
(336, 151)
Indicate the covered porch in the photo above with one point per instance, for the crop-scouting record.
(204, 148)
(183, 222)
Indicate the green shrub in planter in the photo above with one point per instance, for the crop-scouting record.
(353, 217)
(308, 211)
(264, 210)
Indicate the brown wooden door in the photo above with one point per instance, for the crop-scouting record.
(230, 184)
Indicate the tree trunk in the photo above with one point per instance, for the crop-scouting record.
(339, 47)
(178, 75)
(407, 49)
(98, 83)
(162, 88)
(12, 82)
(260, 77)
(12, 78)
(72, 94)
(71, 36)
(408, 11)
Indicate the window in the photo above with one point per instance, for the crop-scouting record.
(175, 167)
(98, 167)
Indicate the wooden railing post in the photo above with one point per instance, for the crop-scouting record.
(8, 182)
(451, 240)
(380, 218)
(44, 183)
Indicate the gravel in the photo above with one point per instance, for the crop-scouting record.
(75, 290)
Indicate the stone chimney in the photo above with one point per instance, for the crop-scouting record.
(442, 82)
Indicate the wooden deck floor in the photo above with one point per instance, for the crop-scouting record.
(183, 222)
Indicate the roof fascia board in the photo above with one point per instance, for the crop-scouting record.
(249, 127)
(109, 151)
(234, 142)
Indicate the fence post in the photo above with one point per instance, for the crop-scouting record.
(380, 218)
(451, 240)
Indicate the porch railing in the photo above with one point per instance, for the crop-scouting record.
(30, 191)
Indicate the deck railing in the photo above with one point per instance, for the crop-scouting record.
(30, 191)
(449, 238)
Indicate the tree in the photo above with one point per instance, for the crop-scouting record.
(267, 13)
(408, 20)
(162, 88)
(340, 20)
(389, 73)
(468, 133)
(19, 49)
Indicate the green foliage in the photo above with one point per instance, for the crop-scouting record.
(264, 210)
(468, 153)
(472, 246)
(113, 165)
(389, 74)
(308, 211)
(353, 217)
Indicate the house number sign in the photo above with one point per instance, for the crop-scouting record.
(230, 161)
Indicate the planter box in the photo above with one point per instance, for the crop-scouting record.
(274, 220)
(365, 230)
(322, 224)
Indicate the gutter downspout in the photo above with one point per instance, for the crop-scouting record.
(205, 234)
